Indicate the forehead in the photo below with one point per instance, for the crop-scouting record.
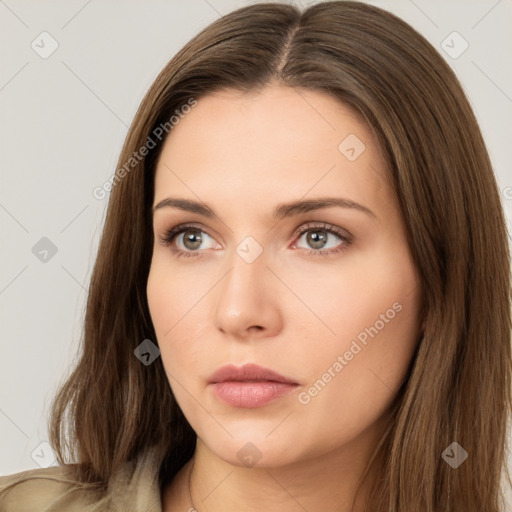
(280, 141)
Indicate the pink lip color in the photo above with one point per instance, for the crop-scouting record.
(251, 394)
(249, 386)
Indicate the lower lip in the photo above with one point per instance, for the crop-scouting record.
(251, 394)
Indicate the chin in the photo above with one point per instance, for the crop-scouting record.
(256, 449)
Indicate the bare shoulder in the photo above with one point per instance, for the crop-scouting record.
(45, 490)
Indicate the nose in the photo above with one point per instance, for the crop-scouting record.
(248, 300)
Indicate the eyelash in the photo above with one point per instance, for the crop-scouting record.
(168, 238)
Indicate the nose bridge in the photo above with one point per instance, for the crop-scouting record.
(245, 298)
(247, 260)
(248, 275)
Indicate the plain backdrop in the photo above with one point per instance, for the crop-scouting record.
(72, 75)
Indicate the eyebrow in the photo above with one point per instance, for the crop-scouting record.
(282, 210)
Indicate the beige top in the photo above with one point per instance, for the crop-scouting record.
(134, 489)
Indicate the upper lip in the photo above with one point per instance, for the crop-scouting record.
(248, 372)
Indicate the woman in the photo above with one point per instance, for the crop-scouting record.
(301, 299)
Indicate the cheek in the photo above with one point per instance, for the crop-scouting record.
(160, 300)
(165, 302)
(374, 313)
(171, 294)
(353, 384)
(349, 297)
(178, 319)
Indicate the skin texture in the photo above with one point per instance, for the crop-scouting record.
(289, 310)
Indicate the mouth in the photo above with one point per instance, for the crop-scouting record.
(249, 386)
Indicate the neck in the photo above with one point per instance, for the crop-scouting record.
(332, 481)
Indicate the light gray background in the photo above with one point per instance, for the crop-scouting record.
(64, 119)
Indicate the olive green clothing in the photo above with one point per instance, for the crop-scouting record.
(133, 489)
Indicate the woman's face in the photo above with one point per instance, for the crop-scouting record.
(270, 273)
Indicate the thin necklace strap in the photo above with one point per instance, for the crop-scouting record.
(190, 488)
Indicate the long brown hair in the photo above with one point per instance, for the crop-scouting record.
(458, 389)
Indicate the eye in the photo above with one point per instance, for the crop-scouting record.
(191, 240)
(318, 234)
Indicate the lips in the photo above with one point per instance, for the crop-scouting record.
(247, 373)
(249, 386)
